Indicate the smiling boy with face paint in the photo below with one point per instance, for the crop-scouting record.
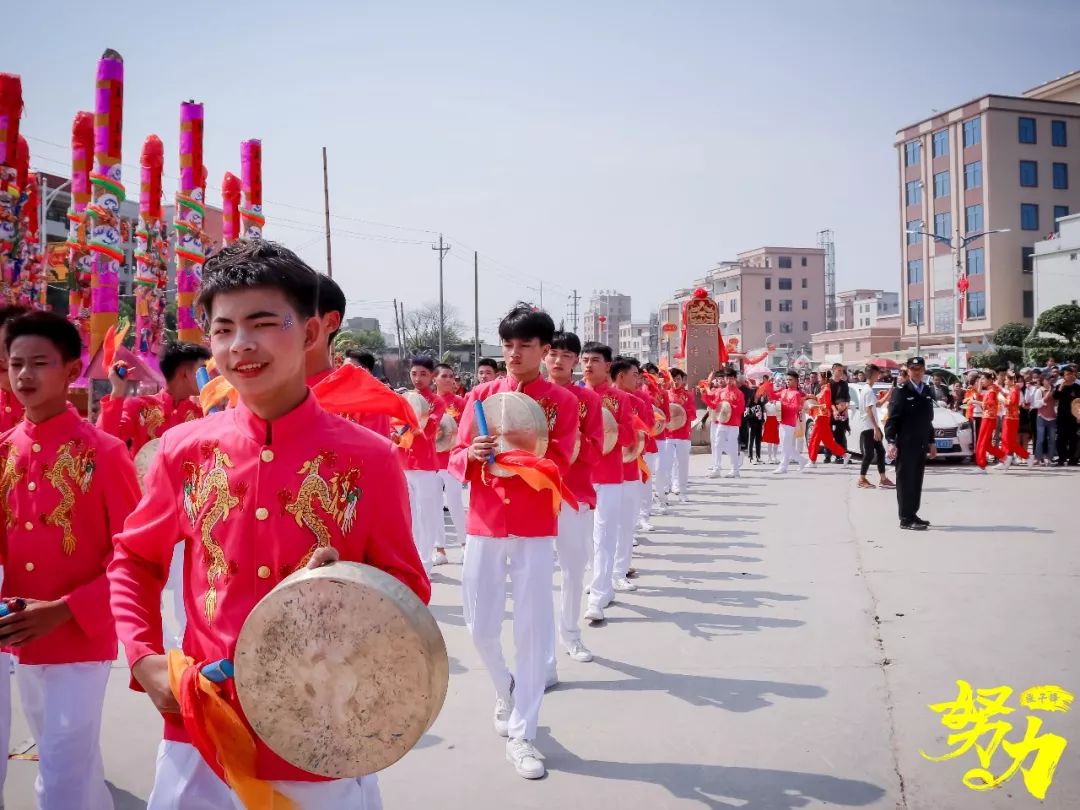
(250, 464)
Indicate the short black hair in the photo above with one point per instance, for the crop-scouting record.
(794, 374)
(487, 361)
(651, 368)
(871, 368)
(253, 263)
(619, 365)
(524, 322)
(365, 359)
(12, 311)
(330, 298)
(677, 372)
(592, 347)
(627, 359)
(423, 360)
(566, 342)
(447, 366)
(57, 329)
(174, 355)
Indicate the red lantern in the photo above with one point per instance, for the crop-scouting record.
(670, 327)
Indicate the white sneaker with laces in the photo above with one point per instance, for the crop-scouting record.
(644, 526)
(594, 613)
(439, 558)
(503, 708)
(624, 585)
(526, 759)
(732, 475)
(579, 652)
(1001, 465)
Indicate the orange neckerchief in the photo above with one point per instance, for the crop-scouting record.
(539, 473)
(220, 735)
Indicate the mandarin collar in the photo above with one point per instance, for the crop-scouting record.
(61, 426)
(293, 426)
(534, 387)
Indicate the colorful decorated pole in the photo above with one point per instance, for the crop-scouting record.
(34, 273)
(190, 239)
(108, 194)
(251, 178)
(11, 105)
(80, 262)
(230, 218)
(151, 272)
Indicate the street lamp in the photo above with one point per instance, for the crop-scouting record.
(957, 244)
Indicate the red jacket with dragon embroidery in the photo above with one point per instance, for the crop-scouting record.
(609, 466)
(137, 420)
(455, 406)
(243, 496)
(65, 490)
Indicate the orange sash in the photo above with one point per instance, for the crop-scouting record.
(540, 474)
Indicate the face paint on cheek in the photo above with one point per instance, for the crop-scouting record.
(288, 322)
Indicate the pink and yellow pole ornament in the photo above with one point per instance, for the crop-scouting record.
(151, 272)
(230, 218)
(80, 261)
(36, 283)
(251, 179)
(190, 213)
(11, 105)
(107, 195)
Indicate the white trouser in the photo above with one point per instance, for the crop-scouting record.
(788, 453)
(425, 502)
(530, 563)
(714, 444)
(607, 523)
(5, 719)
(682, 464)
(183, 781)
(574, 545)
(452, 496)
(174, 588)
(624, 550)
(728, 436)
(652, 461)
(663, 470)
(62, 705)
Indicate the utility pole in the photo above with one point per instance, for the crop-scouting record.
(404, 336)
(326, 210)
(443, 250)
(541, 293)
(476, 313)
(574, 298)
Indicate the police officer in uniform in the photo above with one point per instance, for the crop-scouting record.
(909, 431)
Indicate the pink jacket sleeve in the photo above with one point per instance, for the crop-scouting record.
(459, 464)
(592, 433)
(627, 409)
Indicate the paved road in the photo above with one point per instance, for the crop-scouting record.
(780, 653)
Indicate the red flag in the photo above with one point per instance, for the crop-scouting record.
(350, 389)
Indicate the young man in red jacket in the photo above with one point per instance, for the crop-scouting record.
(512, 526)
(680, 438)
(574, 542)
(230, 488)
(626, 375)
(446, 385)
(422, 467)
(65, 489)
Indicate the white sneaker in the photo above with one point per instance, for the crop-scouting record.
(579, 652)
(644, 526)
(1008, 462)
(732, 475)
(594, 613)
(806, 468)
(660, 508)
(1001, 465)
(527, 760)
(439, 558)
(635, 541)
(624, 585)
(779, 471)
(503, 708)
(714, 474)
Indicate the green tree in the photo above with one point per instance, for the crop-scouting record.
(1062, 320)
(1010, 334)
(369, 339)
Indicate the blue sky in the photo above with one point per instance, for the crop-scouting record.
(622, 145)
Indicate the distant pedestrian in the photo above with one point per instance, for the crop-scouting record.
(1065, 395)
(870, 439)
(910, 433)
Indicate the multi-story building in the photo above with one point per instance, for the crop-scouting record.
(857, 344)
(635, 340)
(361, 324)
(614, 308)
(1057, 266)
(856, 309)
(996, 162)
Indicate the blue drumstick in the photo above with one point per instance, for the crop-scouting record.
(202, 377)
(218, 671)
(481, 421)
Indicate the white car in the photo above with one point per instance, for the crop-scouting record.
(952, 433)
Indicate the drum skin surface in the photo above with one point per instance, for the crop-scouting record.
(678, 416)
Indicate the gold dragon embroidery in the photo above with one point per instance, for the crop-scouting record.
(338, 498)
(152, 418)
(551, 411)
(200, 484)
(79, 468)
(611, 402)
(9, 478)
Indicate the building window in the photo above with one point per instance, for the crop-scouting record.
(768, 283)
(911, 153)
(1061, 175)
(975, 259)
(1029, 217)
(768, 262)
(805, 304)
(786, 327)
(1029, 304)
(914, 225)
(1057, 133)
(785, 262)
(805, 326)
(785, 305)
(803, 263)
(804, 285)
(785, 283)
(973, 219)
(914, 271)
(1027, 130)
(913, 192)
(972, 132)
(973, 174)
(940, 143)
(1026, 254)
(768, 327)
(720, 307)
(941, 184)
(1059, 212)
(1029, 173)
(734, 305)
(943, 225)
(976, 305)
(915, 311)
(768, 305)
